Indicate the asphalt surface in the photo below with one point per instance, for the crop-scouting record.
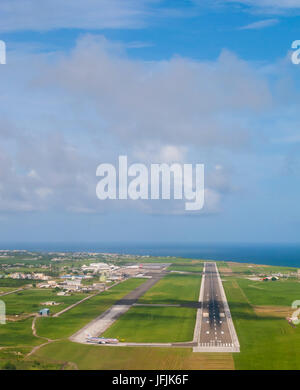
(214, 330)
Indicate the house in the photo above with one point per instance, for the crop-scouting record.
(44, 312)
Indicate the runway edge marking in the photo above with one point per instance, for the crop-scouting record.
(235, 342)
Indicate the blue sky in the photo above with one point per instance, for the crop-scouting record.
(160, 81)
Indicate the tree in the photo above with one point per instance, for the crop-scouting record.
(9, 366)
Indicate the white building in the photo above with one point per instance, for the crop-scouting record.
(96, 267)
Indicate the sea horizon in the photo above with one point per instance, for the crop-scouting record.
(283, 254)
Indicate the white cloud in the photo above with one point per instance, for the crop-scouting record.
(271, 6)
(260, 24)
(157, 153)
(91, 105)
(177, 102)
(88, 14)
(37, 15)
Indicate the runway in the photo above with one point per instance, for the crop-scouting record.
(215, 331)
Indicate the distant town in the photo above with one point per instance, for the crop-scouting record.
(67, 273)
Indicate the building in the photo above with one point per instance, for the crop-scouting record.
(99, 286)
(72, 285)
(44, 312)
(97, 267)
(40, 276)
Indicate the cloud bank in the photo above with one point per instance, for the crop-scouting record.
(84, 108)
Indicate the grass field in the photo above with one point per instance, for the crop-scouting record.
(74, 319)
(30, 301)
(15, 283)
(93, 357)
(18, 334)
(277, 293)
(174, 289)
(154, 324)
(160, 324)
(267, 342)
(187, 267)
(248, 269)
(6, 289)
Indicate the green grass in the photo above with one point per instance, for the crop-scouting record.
(277, 293)
(30, 301)
(248, 269)
(93, 357)
(186, 267)
(16, 357)
(17, 333)
(6, 289)
(74, 319)
(16, 283)
(155, 324)
(266, 342)
(174, 289)
(161, 324)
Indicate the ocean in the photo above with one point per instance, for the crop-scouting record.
(272, 254)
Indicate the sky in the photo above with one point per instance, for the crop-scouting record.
(182, 81)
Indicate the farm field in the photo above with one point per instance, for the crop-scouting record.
(154, 324)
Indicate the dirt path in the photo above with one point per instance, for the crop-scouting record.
(39, 337)
(38, 347)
